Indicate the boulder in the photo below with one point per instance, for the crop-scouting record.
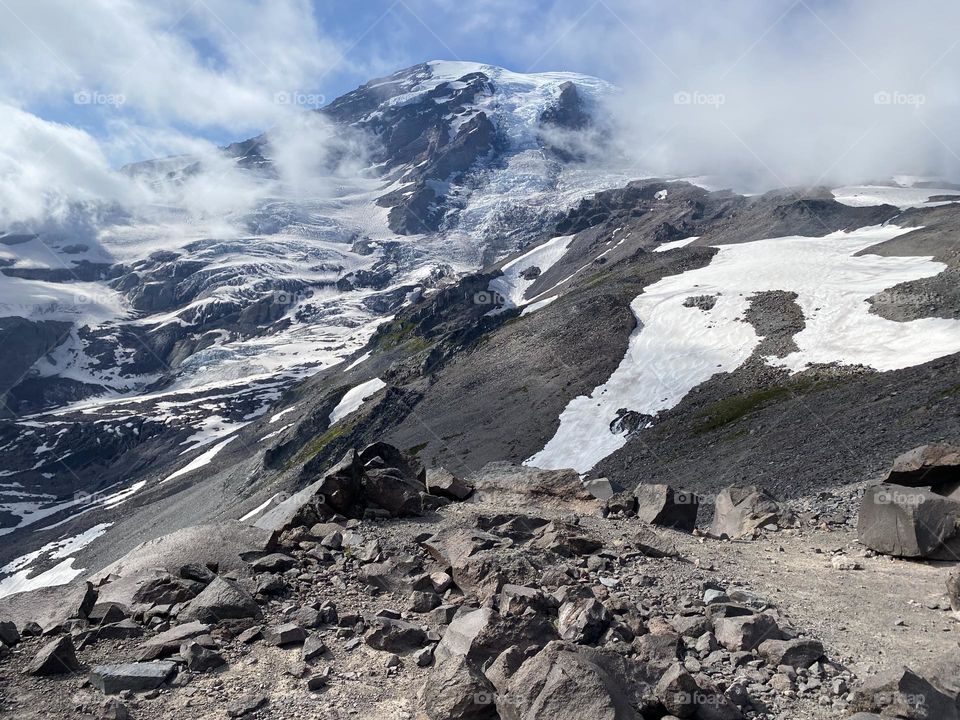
(953, 591)
(661, 505)
(338, 488)
(136, 677)
(458, 690)
(508, 485)
(936, 466)
(582, 620)
(48, 607)
(168, 642)
(444, 483)
(795, 653)
(287, 634)
(738, 511)
(9, 635)
(395, 636)
(903, 693)
(906, 522)
(569, 682)
(481, 635)
(566, 539)
(653, 544)
(746, 632)
(678, 691)
(200, 659)
(57, 657)
(222, 600)
(603, 489)
(221, 545)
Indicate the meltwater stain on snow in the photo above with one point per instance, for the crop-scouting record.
(675, 348)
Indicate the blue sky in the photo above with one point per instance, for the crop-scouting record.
(86, 87)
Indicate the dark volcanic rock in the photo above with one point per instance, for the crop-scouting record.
(926, 466)
(905, 694)
(906, 521)
(222, 600)
(57, 657)
(112, 679)
(664, 506)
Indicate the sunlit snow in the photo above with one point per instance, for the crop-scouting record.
(675, 348)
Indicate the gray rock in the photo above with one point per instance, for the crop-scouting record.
(112, 679)
(197, 572)
(9, 635)
(678, 691)
(482, 634)
(662, 505)
(395, 635)
(746, 632)
(169, 642)
(936, 465)
(738, 511)
(904, 694)
(457, 690)
(795, 653)
(57, 657)
(48, 607)
(653, 544)
(113, 709)
(602, 488)
(568, 682)
(313, 648)
(246, 705)
(123, 630)
(273, 563)
(222, 600)
(906, 522)
(442, 482)
(582, 620)
(287, 634)
(200, 659)
(510, 485)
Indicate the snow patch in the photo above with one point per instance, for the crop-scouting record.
(675, 348)
(355, 397)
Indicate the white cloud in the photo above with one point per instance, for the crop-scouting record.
(47, 167)
(204, 63)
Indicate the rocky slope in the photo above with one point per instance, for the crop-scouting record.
(516, 593)
(488, 287)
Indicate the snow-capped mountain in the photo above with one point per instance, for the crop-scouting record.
(150, 330)
(477, 280)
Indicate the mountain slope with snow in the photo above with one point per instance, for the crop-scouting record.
(474, 280)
